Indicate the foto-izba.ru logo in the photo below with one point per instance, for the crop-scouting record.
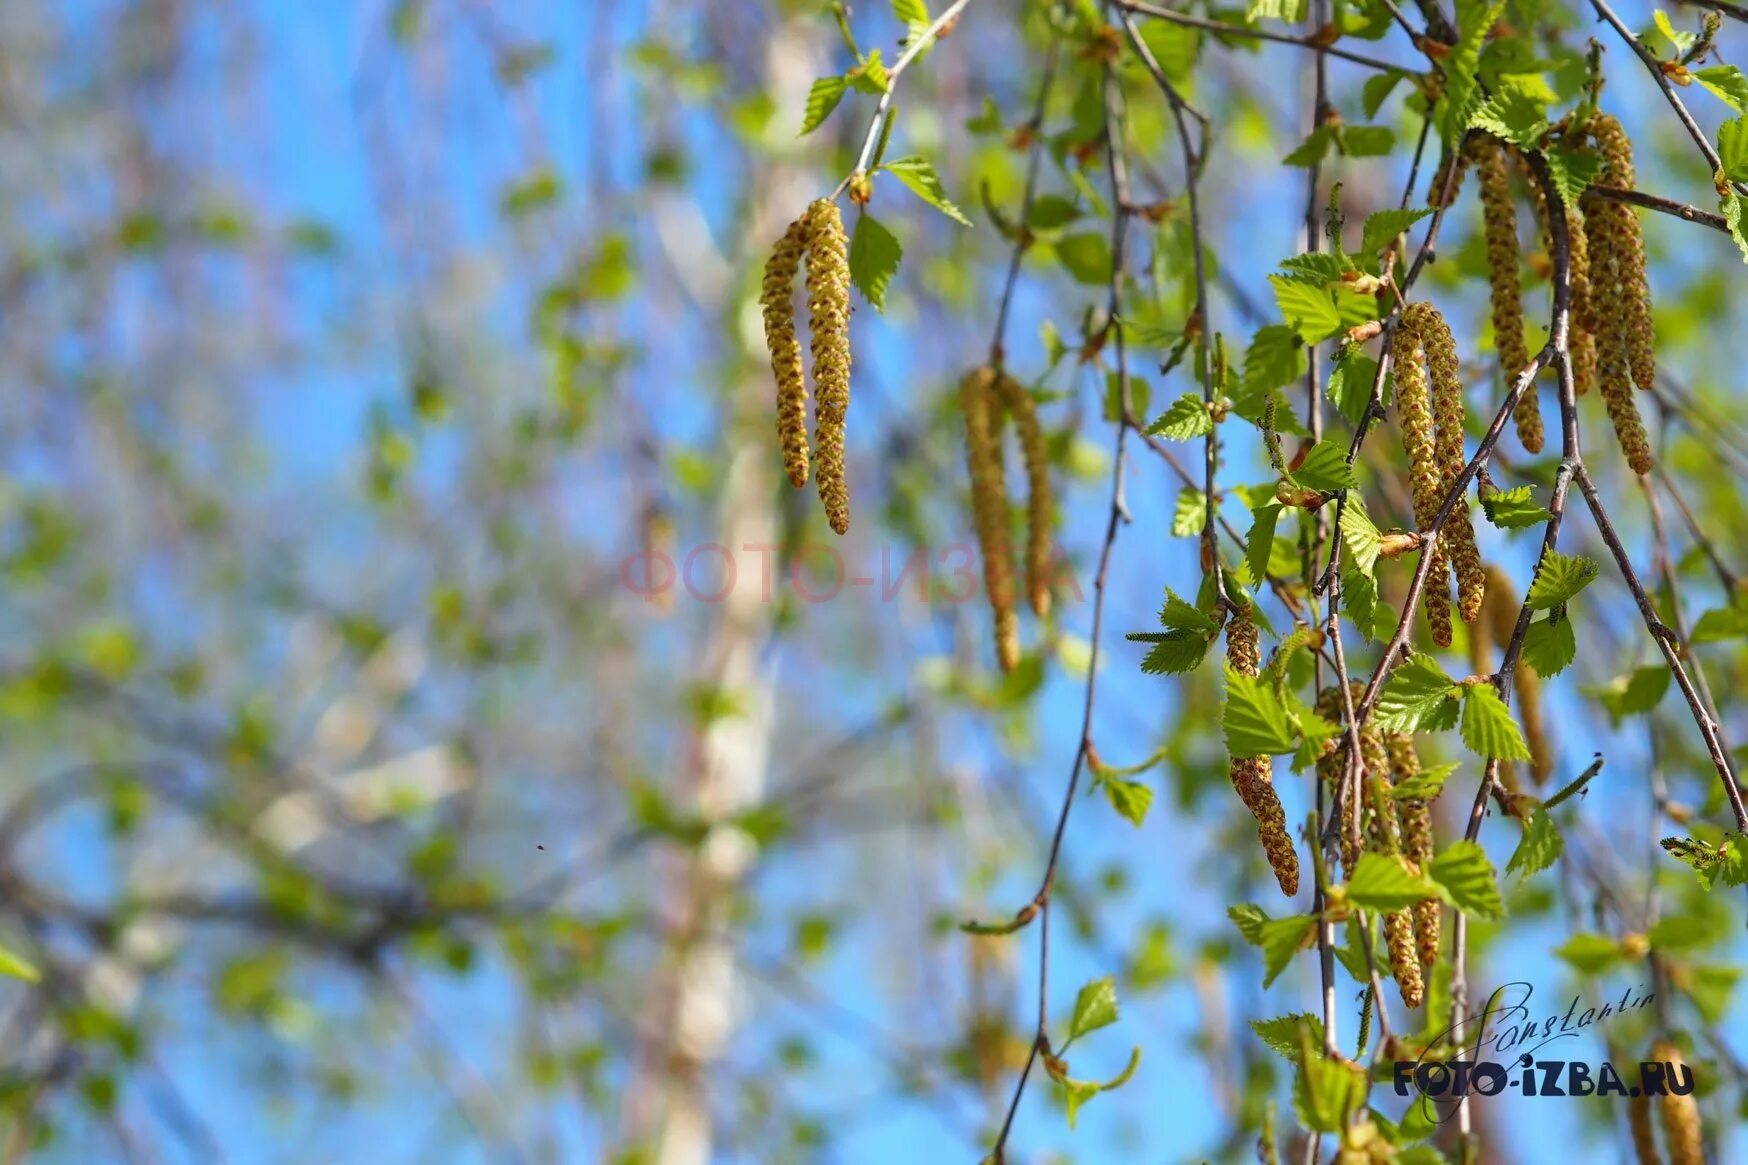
(1453, 1080)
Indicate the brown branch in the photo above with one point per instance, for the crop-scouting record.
(1667, 206)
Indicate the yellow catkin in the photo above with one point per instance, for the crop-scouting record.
(1387, 838)
(1414, 414)
(1679, 1114)
(989, 507)
(1440, 175)
(1253, 777)
(1627, 245)
(1616, 253)
(1582, 348)
(828, 320)
(1417, 843)
(1499, 221)
(1385, 832)
(1448, 415)
(1639, 1126)
(777, 298)
(1040, 504)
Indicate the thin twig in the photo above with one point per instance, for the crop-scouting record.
(884, 110)
(1221, 28)
(1667, 206)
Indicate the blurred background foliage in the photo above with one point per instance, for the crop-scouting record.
(368, 794)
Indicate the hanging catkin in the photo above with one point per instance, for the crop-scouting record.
(828, 321)
(1639, 1126)
(1448, 416)
(1039, 503)
(1499, 221)
(1622, 236)
(1680, 1114)
(777, 298)
(989, 507)
(1387, 838)
(1417, 843)
(1414, 414)
(1443, 174)
(1253, 777)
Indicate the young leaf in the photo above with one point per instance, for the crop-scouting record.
(1131, 799)
(1561, 576)
(1549, 646)
(1308, 310)
(1382, 882)
(1281, 1034)
(1572, 171)
(1350, 383)
(1275, 358)
(1488, 727)
(1591, 954)
(1360, 536)
(1733, 149)
(874, 258)
(1417, 695)
(1095, 1007)
(1261, 543)
(1513, 509)
(1383, 226)
(1086, 256)
(1377, 90)
(1512, 115)
(1185, 420)
(1190, 516)
(1727, 83)
(1426, 784)
(1475, 20)
(1325, 469)
(1540, 846)
(1718, 625)
(919, 174)
(1325, 1092)
(1253, 719)
(822, 98)
(1467, 876)
(1173, 652)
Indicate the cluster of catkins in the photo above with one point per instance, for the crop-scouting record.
(1679, 1115)
(1393, 825)
(1253, 776)
(818, 236)
(1610, 342)
(991, 397)
(1429, 404)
